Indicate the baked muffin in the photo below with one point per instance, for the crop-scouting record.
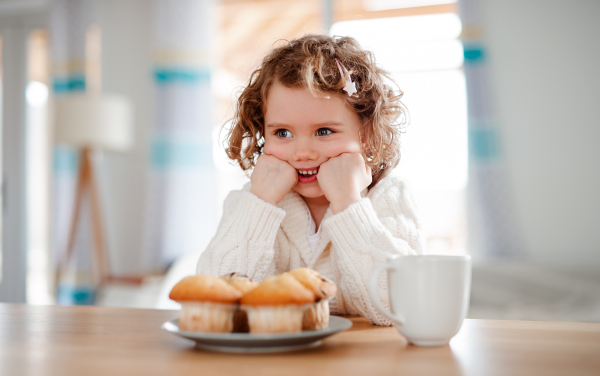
(317, 315)
(241, 282)
(277, 305)
(208, 303)
(244, 285)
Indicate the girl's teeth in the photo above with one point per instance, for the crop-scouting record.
(310, 172)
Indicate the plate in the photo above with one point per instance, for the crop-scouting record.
(260, 343)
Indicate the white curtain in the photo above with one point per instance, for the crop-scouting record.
(493, 228)
(69, 21)
(182, 211)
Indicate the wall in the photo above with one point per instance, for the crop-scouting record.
(544, 58)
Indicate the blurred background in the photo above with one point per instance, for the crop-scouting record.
(114, 172)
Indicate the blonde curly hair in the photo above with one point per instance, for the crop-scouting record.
(309, 62)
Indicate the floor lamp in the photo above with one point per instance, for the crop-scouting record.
(90, 123)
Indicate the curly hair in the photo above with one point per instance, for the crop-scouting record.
(309, 62)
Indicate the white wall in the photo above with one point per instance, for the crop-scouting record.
(127, 69)
(544, 59)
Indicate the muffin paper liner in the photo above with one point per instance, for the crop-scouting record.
(206, 317)
(316, 316)
(275, 319)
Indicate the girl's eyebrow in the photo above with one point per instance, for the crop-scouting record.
(277, 125)
(317, 125)
(328, 124)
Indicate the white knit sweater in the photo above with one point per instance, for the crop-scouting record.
(258, 239)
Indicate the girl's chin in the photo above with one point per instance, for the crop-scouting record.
(309, 191)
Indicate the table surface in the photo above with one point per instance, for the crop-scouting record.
(87, 340)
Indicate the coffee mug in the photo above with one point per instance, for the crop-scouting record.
(429, 296)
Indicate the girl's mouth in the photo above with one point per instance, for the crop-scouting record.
(306, 176)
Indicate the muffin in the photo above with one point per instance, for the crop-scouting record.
(208, 303)
(241, 282)
(317, 315)
(244, 285)
(277, 305)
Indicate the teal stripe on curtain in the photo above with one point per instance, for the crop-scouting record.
(65, 161)
(484, 144)
(80, 295)
(164, 75)
(169, 153)
(69, 84)
(473, 53)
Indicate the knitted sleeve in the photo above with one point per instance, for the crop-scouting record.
(364, 235)
(245, 237)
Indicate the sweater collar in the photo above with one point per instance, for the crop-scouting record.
(295, 226)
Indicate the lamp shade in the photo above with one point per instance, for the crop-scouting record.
(103, 121)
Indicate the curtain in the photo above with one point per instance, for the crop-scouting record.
(182, 213)
(493, 230)
(69, 20)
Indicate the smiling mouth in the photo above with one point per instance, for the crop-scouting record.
(308, 172)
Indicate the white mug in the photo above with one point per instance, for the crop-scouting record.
(429, 296)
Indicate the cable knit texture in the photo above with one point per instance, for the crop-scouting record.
(258, 239)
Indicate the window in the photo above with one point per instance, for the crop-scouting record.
(424, 56)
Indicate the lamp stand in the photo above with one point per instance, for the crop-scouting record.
(86, 181)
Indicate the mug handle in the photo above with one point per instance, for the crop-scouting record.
(374, 293)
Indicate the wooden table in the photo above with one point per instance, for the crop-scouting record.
(86, 340)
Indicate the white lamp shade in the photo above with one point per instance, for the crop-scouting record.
(103, 121)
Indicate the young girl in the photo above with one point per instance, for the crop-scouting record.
(320, 130)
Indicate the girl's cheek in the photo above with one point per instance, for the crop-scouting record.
(345, 147)
(274, 150)
(267, 147)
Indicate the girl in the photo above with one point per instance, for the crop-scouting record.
(320, 131)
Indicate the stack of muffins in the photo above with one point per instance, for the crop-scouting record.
(289, 302)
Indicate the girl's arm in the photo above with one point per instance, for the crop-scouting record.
(364, 235)
(245, 238)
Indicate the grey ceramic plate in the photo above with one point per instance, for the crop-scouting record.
(260, 343)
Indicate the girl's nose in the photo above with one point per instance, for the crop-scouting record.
(305, 153)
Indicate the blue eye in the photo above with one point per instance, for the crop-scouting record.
(324, 132)
(283, 133)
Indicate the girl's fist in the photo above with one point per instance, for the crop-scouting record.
(342, 178)
(272, 178)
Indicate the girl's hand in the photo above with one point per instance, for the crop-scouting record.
(272, 178)
(342, 178)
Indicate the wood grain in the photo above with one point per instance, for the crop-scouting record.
(87, 340)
